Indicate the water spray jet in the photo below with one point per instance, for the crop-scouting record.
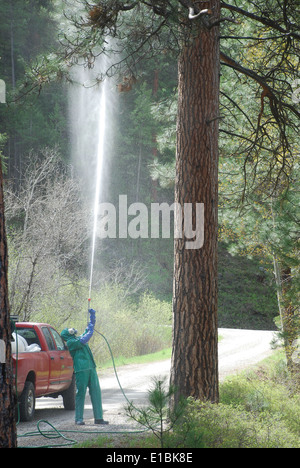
(99, 172)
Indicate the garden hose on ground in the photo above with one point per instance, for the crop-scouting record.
(54, 433)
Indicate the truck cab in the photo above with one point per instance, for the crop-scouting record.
(43, 367)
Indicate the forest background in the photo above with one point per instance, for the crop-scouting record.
(49, 205)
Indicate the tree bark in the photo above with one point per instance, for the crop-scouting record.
(194, 369)
(8, 434)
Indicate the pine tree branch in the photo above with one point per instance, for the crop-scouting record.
(268, 91)
(263, 20)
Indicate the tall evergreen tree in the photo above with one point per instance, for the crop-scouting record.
(152, 29)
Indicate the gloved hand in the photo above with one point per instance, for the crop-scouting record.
(90, 327)
(92, 313)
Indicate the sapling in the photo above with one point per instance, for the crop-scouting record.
(158, 416)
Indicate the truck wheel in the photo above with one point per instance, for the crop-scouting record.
(69, 396)
(27, 402)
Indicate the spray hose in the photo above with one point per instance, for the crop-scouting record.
(115, 370)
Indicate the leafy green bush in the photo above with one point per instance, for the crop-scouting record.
(227, 426)
(257, 409)
(264, 394)
(154, 322)
(131, 328)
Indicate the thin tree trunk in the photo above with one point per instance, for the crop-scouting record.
(14, 164)
(154, 138)
(194, 369)
(8, 434)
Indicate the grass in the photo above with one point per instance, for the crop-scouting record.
(146, 358)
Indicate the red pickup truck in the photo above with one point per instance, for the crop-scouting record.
(43, 366)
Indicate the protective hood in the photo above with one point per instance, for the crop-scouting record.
(66, 335)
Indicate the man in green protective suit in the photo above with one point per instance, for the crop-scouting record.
(85, 370)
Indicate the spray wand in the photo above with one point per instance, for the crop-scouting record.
(89, 306)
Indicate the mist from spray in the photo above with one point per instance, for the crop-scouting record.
(91, 105)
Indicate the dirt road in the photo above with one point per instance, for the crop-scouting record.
(238, 349)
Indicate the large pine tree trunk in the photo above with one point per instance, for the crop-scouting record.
(8, 438)
(195, 334)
